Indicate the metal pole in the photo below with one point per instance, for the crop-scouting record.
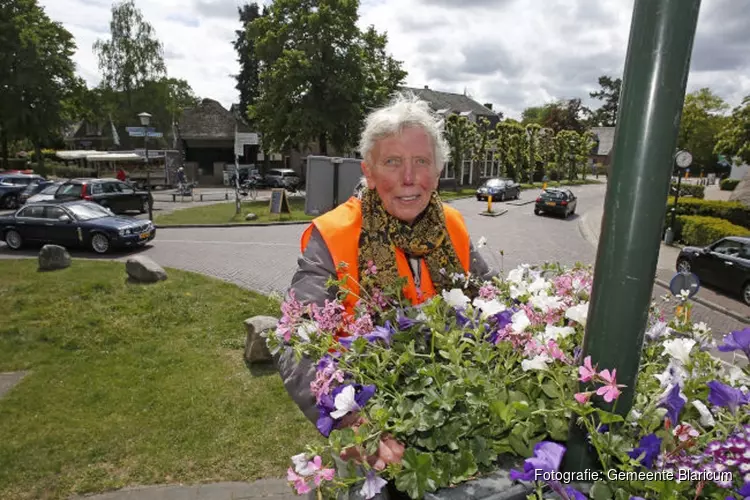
(148, 176)
(676, 197)
(653, 91)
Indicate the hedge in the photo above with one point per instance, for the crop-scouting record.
(701, 231)
(693, 190)
(732, 211)
(728, 184)
(60, 170)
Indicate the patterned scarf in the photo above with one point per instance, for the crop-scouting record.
(426, 238)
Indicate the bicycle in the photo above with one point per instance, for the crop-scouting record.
(249, 188)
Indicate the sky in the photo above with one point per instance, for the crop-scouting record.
(511, 53)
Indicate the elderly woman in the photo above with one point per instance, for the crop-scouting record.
(399, 225)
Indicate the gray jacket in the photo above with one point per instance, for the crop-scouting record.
(315, 267)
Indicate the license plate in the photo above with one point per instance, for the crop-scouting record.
(145, 235)
(551, 203)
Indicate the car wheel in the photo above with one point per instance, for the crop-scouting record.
(100, 243)
(144, 206)
(13, 239)
(502, 196)
(537, 211)
(10, 201)
(683, 266)
(746, 293)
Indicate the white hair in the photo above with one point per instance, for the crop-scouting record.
(404, 110)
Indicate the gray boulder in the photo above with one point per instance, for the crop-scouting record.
(52, 257)
(251, 216)
(141, 269)
(256, 350)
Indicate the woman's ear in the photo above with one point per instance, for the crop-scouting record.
(367, 171)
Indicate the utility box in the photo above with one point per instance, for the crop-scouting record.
(330, 182)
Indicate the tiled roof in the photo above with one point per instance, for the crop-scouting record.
(606, 137)
(456, 103)
(209, 120)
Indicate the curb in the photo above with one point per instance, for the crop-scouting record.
(710, 305)
(234, 224)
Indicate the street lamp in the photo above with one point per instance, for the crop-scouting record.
(145, 120)
(682, 160)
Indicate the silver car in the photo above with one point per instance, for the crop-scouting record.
(282, 177)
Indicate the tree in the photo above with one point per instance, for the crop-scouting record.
(248, 79)
(606, 115)
(460, 133)
(534, 114)
(319, 73)
(702, 120)
(133, 54)
(36, 72)
(483, 137)
(734, 138)
(564, 115)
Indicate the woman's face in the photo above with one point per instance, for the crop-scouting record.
(403, 172)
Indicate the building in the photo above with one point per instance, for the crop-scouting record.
(606, 141)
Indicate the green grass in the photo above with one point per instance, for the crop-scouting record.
(577, 182)
(224, 213)
(449, 194)
(134, 384)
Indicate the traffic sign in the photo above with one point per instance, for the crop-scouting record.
(684, 281)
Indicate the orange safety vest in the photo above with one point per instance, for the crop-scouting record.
(340, 229)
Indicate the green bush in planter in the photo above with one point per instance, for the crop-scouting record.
(728, 184)
(700, 230)
(691, 190)
(733, 211)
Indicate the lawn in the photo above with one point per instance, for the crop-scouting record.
(133, 384)
(447, 194)
(224, 213)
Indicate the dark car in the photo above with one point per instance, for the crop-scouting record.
(560, 201)
(724, 264)
(500, 189)
(11, 187)
(114, 194)
(74, 224)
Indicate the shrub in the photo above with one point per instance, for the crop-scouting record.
(701, 231)
(728, 184)
(60, 170)
(732, 211)
(693, 190)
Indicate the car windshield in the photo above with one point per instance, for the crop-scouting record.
(51, 189)
(553, 195)
(88, 211)
(494, 183)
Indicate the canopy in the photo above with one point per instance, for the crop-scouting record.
(114, 157)
(76, 155)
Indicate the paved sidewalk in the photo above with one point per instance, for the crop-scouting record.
(264, 489)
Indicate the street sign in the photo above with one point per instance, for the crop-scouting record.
(685, 281)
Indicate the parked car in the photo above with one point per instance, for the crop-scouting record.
(47, 193)
(11, 187)
(74, 224)
(114, 194)
(560, 201)
(36, 187)
(724, 264)
(281, 178)
(500, 189)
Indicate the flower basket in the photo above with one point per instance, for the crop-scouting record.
(472, 393)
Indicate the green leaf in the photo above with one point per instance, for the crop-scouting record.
(417, 476)
(519, 446)
(600, 491)
(464, 466)
(550, 389)
(606, 417)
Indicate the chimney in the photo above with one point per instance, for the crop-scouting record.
(488, 105)
(426, 87)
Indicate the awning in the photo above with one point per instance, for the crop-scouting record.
(115, 157)
(76, 155)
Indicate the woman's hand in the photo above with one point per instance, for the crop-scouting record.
(390, 451)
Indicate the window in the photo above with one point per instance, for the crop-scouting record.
(73, 190)
(53, 212)
(448, 171)
(124, 188)
(110, 188)
(88, 211)
(745, 252)
(51, 189)
(727, 247)
(96, 189)
(36, 212)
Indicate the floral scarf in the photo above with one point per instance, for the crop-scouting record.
(426, 238)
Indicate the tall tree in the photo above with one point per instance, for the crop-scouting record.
(606, 115)
(36, 72)
(133, 54)
(534, 114)
(319, 73)
(460, 133)
(734, 138)
(564, 115)
(484, 137)
(248, 79)
(702, 120)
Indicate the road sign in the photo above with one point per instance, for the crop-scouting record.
(685, 281)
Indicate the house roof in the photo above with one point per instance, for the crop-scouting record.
(606, 137)
(210, 120)
(457, 103)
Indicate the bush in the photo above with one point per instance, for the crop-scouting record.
(701, 231)
(60, 170)
(16, 164)
(728, 184)
(732, 211)
(693, 190)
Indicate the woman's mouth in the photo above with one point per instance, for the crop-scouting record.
(407, 199)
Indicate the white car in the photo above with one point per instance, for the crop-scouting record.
(46, 194)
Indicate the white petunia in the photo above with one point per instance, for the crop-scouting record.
(538, 285)
(518, 275)
(519, 321)
(679, 349)
(344, 402)
(552, 332)
(302, 465)
(735, 375)
(701, 328)
(456, 298)
(305, 330)
(481, 243)
(707, 420)
(673, 374)
(536, 363)
(545, 302)
(578, 313)
(518, 290)
(489, 307)
(657, 330)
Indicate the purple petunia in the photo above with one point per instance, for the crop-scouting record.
(383, 333)
(726, 396)
(738, 340)
(673, 402)
(547, 458)
(343, 400)
(649, 446)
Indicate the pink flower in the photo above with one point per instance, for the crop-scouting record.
(300, 484)
(362, 326)
(371, 268)
(610, 391)
(328, 317)
(555, 352)
(583, 397)
(586, 372)
(685, 432)
(321, 474)
(488, 291)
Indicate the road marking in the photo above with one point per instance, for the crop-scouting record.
(257, 243)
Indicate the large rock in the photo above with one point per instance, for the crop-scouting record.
(742, 192)
(144, 270)
(256, 350)
(52, 257)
